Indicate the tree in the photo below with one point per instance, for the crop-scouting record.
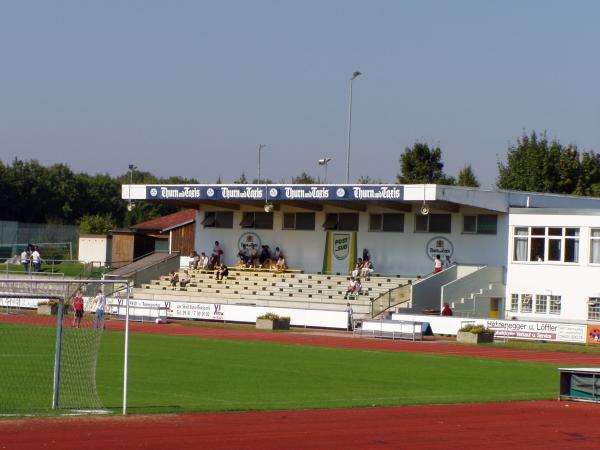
(303, 178)
(242, 179)
(369, 180)
(538, 165)
(466, 177)
(96, 224)
(421, 164)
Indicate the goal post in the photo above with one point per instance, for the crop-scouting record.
(42, 374)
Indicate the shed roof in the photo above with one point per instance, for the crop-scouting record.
(168, 222)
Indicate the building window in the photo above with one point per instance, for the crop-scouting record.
(218, 219)
(480, 224)
(541, 304)
(555, 304)
(526, 303)
(257, 220)
(514, 302)
(595, 245)
(554, 244)
(594, 308)
(433, 223)
(341, 222)
(386, 222)
(299, 221)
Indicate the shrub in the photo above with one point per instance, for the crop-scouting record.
(272, 316)
(476, 329)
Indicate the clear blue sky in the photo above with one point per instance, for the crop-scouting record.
(191, 88)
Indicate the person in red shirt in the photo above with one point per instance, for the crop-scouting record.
(446, 311)
(78, 309)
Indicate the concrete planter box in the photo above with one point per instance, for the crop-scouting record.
(47, 310)
(474, 338)
(267, 324)
(51, 310)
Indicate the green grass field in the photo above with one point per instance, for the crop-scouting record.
(184, 374)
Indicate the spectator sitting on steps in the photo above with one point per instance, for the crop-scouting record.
(185, 279)
(221, 272)
(174, 279)
(351, 287)
(194, 260)
(280, 266)
(203, 263)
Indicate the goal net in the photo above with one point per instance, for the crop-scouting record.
(50, 354)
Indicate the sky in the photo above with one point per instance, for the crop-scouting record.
(191, 88)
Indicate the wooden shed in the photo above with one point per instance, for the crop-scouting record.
(171, 233)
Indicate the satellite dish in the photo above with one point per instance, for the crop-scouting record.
(269, 207)
(424, 210)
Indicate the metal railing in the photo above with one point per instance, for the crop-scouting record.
(391, 298)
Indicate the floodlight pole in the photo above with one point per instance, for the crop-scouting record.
(354, 76)
(260, 147)
(131, 169)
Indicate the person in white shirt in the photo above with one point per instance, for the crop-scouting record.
(36, 260)
(351, 287)
(100, 304)
(350, 317)
(25, 260)
(203, 263)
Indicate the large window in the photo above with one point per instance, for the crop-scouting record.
(555, 304)
(433, 223)
(526, 303)
(258, 220)
(218, 219)
(341, 221)
(553, 244)
(480, 224)
(386, 222)
(541, 304)
(595, 245)
(594, 308)
(299, 221)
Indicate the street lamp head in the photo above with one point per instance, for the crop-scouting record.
(324, 161)
(356, 74)
(132, 167)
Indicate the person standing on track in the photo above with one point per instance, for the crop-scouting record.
(100, 304)
(77, 309)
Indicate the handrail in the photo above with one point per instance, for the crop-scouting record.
(391, 298)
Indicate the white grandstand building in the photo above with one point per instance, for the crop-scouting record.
(515, 255)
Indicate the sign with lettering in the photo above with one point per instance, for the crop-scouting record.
(543, 331)
(275, 192)
(439, 245)
(341, 245)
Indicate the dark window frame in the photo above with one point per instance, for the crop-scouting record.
(384, 227)
(310, 217)
(333, 221)
(436, 229)
(218, 219)
(249, 220)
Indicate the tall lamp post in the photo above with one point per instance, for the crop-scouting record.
(260, 147)
(324, 162)
(131, 169)
(354, 76)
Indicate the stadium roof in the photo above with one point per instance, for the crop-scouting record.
(353, 197)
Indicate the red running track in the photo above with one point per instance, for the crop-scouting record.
(520, 425)
(344, 340)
